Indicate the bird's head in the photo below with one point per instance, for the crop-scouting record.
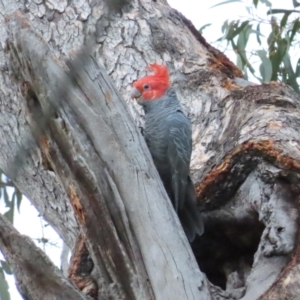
(153, 86)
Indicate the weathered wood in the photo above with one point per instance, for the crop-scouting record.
(261, 218)
(259, 152)
(245, 161)
(287, 284)
(98, 154)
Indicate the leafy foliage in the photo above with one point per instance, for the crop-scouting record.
(273, 51)
(10, 202)
(4, 293)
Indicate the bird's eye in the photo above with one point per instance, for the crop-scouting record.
(146, 86)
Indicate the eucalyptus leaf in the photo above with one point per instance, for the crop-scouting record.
(297, 73)
(255, 2)
(4, 293)
(295, 29)
(6, 198)
(283, 45)
(296, 3)
(6, 267)
(265, 67)
(266, 2)
(258, 34)
(282, 11)
(19, 199)
(282, 37)
(292, 77)
(284, 19)
(10, 213)
(225, 2)
(203, 27)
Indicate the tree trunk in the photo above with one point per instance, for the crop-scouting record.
(91, 176)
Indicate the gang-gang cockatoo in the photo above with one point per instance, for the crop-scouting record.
(168, 135)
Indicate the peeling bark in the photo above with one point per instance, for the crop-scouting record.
(91, 173)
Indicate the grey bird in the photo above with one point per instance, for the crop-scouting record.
(168, 135)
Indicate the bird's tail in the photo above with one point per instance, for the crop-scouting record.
(189, 215)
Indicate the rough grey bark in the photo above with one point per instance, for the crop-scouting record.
(245, 162)
(252, 187)
(32, 268)
(97, 152)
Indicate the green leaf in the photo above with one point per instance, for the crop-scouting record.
(265, 67)
(295, 29)
(266, 2)
(249, 9)
(239, 62)
(258, 34)
(284, 19)
(281, 11)
(274, 35)
(230, 34)
(243, 38)
(4, 293)
(242, 55)
(6, 198)
(13, 197)
(297, 73)
(19, 199)
(235, 29)
(6, 267)
(225, 2)
(241, 43)
(225, 28)
(203, 27)
(296, 3)
(255, 2)
(10, 213)
(292, 78)
(282, 49)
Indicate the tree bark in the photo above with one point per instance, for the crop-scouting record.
(92, 177)
(36, 276)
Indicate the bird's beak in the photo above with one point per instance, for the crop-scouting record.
(135, 93)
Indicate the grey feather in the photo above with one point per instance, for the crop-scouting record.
(168, 135)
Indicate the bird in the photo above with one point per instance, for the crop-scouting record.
(168, 135)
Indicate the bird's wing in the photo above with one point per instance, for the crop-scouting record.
(179, 154)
